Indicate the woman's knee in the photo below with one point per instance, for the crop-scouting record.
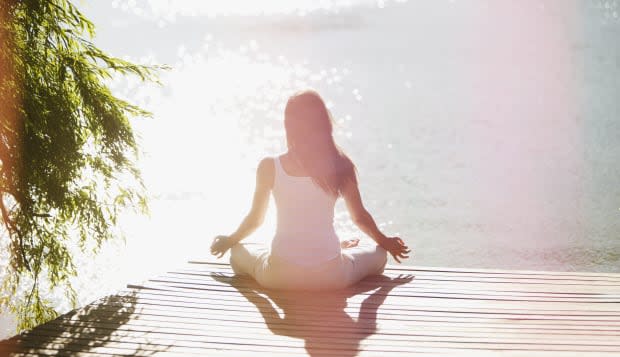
(236, 249)
(237, 253)
(246, 258)
(383, 257)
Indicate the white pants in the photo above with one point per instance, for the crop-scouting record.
(270, 271)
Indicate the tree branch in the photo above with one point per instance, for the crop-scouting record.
(14, 231)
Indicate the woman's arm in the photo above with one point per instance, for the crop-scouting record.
(362, 218)
(256, 216)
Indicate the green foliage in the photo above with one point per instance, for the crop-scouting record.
(67, 149)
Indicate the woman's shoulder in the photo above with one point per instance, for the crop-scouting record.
(265, 171)
(266, 166)
(267, 163)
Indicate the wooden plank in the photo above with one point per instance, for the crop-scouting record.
(198, 309)
(211, 286)
(423, 288)
(420, 352)
(235, 302)
(207, 286)
(543, 273)
(329, 341)
(250, 312)
(402, 267)
(162, 341)
(346, 329)
(389, 302)
(213, 314)
(354, 305)
(341, 330)
(613, 277)
(414, 320)
(417, 283)
(472, 277)
(241, 296)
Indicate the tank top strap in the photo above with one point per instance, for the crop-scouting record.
(277, 164)
(278, 174)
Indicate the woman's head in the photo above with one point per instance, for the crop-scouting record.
(309, 138)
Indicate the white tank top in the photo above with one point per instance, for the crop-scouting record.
(305, 232)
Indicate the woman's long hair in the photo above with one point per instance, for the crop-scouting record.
(309, 138)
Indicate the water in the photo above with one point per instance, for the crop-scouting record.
(486, 133)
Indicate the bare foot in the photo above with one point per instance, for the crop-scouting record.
(349, 243)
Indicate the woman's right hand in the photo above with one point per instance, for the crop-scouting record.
(396, 247)
(220, 245)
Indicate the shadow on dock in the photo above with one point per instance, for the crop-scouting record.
(319, 318)
(97, 328)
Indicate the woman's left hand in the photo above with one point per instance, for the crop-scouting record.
(220, 245)
(396, 247)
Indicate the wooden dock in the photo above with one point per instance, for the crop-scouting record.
(200, 309)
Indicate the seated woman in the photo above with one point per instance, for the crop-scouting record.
(306, 181)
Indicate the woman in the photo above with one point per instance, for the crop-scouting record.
(306, 181)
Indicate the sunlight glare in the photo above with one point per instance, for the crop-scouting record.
(167, 10)
(218, 113)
